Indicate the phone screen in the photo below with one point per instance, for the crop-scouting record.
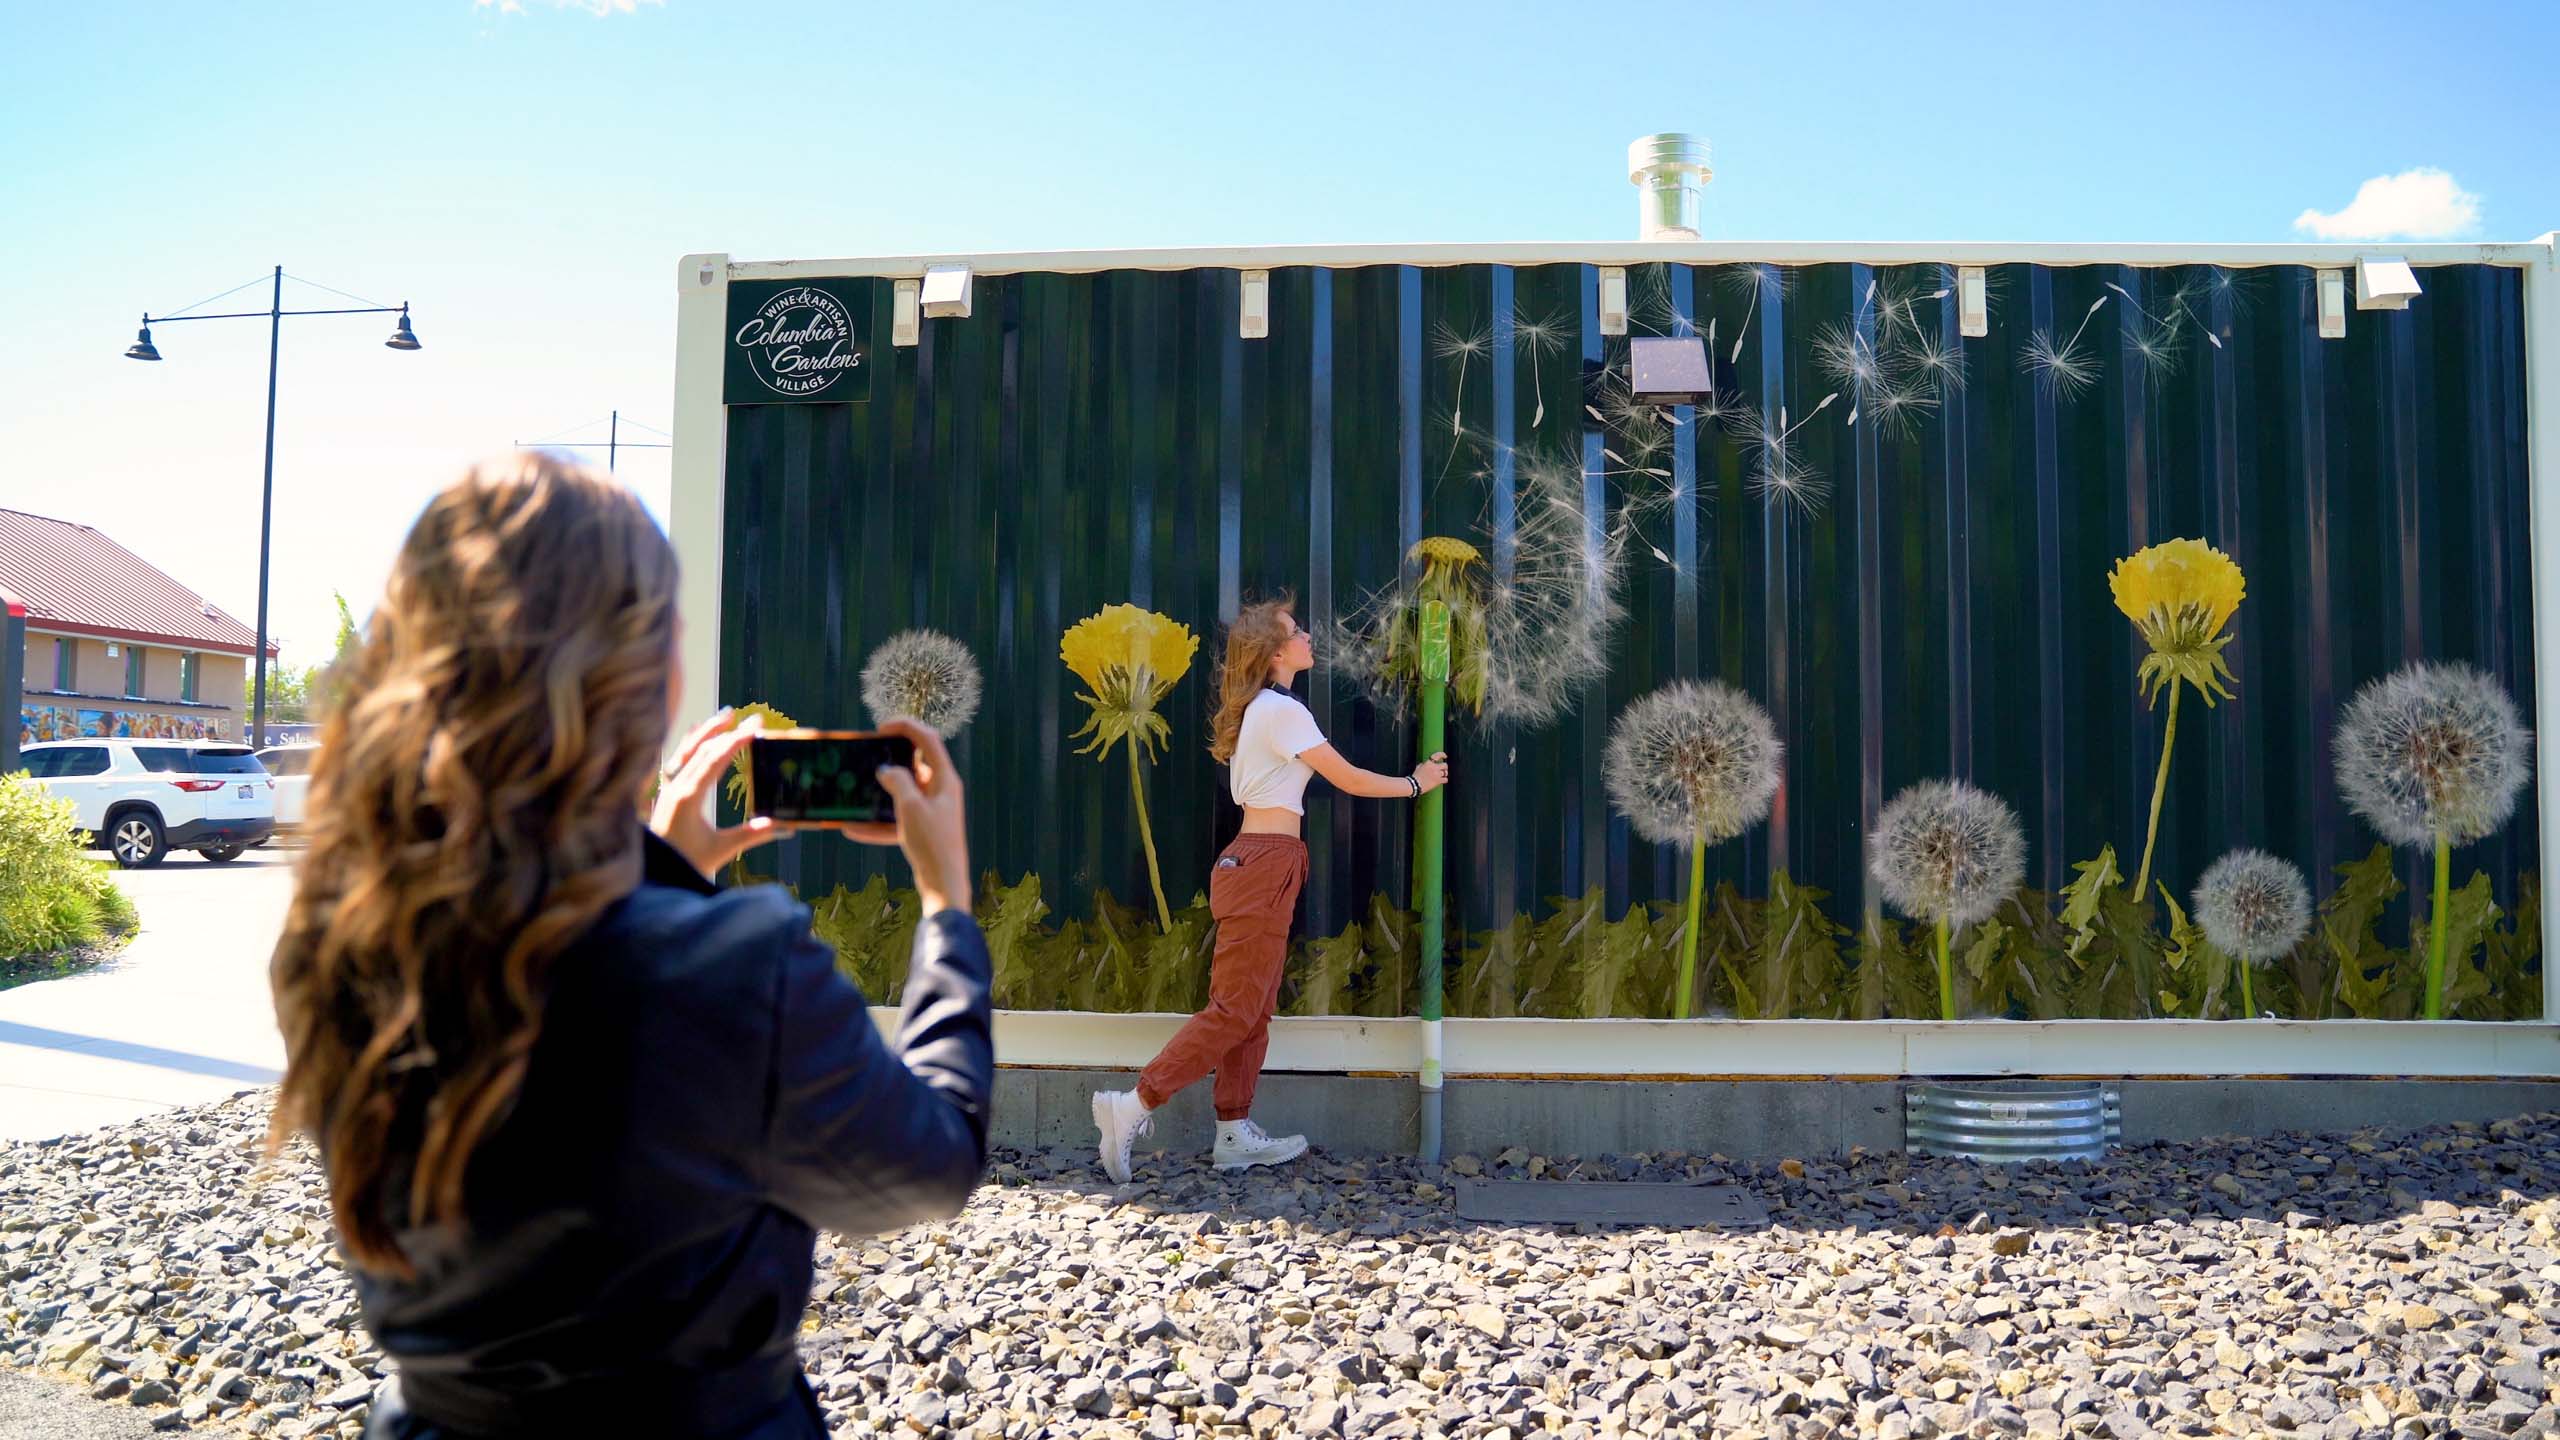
(823, 778)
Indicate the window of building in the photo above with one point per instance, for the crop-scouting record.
(188, 664)
(133, 671)
(65, 654)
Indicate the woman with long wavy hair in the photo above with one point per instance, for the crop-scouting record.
(1271, 746)
(581, 1113)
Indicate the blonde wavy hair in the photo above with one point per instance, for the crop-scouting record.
(1254, 637)
(474, 808)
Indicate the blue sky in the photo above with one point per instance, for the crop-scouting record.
(527, 174)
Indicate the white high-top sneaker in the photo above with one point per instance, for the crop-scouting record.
(1121, 1118)
(1241, 1144)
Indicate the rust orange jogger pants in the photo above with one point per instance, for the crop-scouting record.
(1253, 895)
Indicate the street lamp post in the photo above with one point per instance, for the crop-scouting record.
(402, 338)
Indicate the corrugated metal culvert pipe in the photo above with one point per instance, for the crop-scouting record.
(2009, 1121)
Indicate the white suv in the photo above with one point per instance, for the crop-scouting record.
(291, 767)
(141, 799)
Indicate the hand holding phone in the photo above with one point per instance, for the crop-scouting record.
(801, 778)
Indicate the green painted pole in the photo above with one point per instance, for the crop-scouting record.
(1428, 855)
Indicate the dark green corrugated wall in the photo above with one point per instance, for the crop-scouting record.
(1085, 439)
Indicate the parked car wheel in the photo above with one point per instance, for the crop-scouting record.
(220, 854)
(136, 840)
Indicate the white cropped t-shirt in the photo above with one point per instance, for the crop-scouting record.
(1266, 773)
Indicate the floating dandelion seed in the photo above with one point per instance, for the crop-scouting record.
(2157, 342)
(1778, 475)
(1450, 343)
(1850, 360)
(1754, 279)
(1935, 363)
(1946, 853)
(2061, 370)
(1899, 411)
(2253, 906)
(1654, 308)
(1693, 763)
(1896, 298)
(925, 674)
(1538, 339)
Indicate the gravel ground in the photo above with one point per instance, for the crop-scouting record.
(2372, 1284)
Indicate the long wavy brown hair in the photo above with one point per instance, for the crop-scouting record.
(473, 809)
(1253, 638)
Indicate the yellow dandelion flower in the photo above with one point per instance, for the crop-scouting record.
(1128, 659)
(2179, 594)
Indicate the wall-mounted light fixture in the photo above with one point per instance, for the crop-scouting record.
(946, 292)
(904, 324)
(1670, 371)
(2385, 282)
(1973, 301)
(1613, 300)
(1253, 310)
(2330, 286)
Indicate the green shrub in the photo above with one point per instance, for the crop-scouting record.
(52, 895)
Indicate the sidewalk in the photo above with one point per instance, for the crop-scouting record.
(181, 1016)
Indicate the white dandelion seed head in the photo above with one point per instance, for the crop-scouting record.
(924, 674)
(2253, 906)
(1535, 335)
(1449, 342)
(1694, 755)
(1853, 361)
(1548, 625)
(2432, 750)
(1898, 411)
(1944, 850)
(2157, 348)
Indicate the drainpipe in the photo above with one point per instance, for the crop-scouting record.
(13, 677)
(1670, 174)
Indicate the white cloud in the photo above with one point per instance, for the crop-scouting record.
(2420, 204)
(597, 8)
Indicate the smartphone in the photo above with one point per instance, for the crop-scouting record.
(823, 777)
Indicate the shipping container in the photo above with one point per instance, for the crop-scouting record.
(1889, 516)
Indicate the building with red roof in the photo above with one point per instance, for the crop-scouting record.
(115, 645)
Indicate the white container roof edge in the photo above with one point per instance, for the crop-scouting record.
(2513, 254)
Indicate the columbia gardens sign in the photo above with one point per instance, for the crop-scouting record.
(798, 341)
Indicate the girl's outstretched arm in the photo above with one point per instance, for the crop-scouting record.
(1350, 779)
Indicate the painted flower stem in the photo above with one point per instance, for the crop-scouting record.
(1147, 837)
(2159, 792)
(2248, 1001)
(1689, 932)
(2436, 927)
(1946, 976)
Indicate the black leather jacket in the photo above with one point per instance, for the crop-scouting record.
(706, 1092)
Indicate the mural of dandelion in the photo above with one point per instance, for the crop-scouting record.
(2254, 908)
(1947, 853)
(2179, 594)
(1129, 659)
(1693, 763)
(2433, 755)
(925, 674)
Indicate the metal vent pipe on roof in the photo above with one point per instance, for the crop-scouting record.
(1669, 172)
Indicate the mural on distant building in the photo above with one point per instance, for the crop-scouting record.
(55, 722)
